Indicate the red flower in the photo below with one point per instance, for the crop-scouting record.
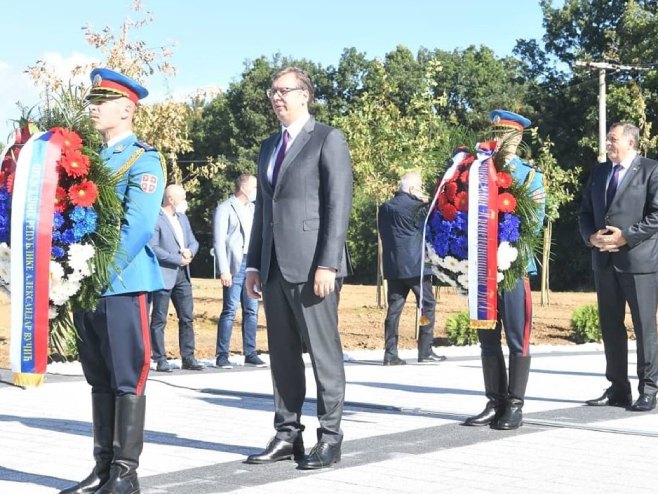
(442, 200)
(504, 180)
(74, 163)
(3, 178)
(461, 201)
(467, 161)
(71, 141)
(449, 212)
(60, 199)
(463, 178)
(83, 194)
(451, 191)
(506, 202)
(10, 183)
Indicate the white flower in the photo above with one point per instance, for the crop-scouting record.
(451, 264)
(58, 293)
(499, 277)
(5, 272)
(506, 256)
(56, 272)
(462, 279)
(462, 267)
(5, 252)
(52, 312)
(79, 256)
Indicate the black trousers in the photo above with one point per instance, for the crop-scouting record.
(640, 291)
(398, 290)
(114, 344)
(515, 317)
(295, 317)
(181, 296)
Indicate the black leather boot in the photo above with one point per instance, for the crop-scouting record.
(128, 444)
(102, 412)
(519, 370)
(495, 386)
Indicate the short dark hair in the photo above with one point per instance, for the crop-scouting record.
(302, 78)
(242, 180)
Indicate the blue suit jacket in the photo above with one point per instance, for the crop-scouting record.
(140, 189)
(400, 227)
(167, 250)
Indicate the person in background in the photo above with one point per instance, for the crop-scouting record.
(619, 221)
(296, 256)
(504, 409)
(175, 246)
(400, 224)
(113, 339)
(231, 233)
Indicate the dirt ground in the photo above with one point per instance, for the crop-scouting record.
(361, 321)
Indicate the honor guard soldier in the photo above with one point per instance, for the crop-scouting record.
(113, 340)
(504, 408)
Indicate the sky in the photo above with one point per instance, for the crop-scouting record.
(212, 39)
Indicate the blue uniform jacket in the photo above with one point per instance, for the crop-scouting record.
(141, 189)
(520, 171)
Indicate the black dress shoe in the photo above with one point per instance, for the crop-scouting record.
(278, 450)
(611, 399)
(395, 361)
(163, 366)
(645, 403)
(192, 364)
(432, 358)
(322, 455)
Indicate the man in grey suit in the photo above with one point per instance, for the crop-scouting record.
(174, 245)
(296, 259)
(231, 233)
(619, 221)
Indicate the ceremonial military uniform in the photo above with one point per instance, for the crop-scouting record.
(503, 410)
(114, 339)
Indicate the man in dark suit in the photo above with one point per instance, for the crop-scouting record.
(619, 221)
(297, 257)
(175, 246)
(400, 224)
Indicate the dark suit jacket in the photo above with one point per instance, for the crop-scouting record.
(306, 215)
(400, 227)
(167, 250)
(634, 210)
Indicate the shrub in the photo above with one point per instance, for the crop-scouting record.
(585, 324)
(458, 328)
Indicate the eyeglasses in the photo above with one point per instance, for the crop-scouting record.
(281, 91)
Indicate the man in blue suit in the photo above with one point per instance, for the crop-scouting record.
(114, 344)
(175, 246)
(400, 226)
(503, 410)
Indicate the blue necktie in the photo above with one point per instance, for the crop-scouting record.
(612, 186)
(279, 157)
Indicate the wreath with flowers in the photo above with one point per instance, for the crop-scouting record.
(86, 219)
(446, 234)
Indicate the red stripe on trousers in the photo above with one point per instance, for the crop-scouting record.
(528, 316)
(146, 339)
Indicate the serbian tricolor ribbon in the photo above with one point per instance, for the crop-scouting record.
(483, 239)
(33, 206)
(454, 162)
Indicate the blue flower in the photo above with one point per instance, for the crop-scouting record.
(508, 228)
(57, 252)
(58, 220)
(68, 236)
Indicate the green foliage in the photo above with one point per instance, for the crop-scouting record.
(458, 328)
(585, 324)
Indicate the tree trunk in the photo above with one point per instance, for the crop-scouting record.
(545, 265)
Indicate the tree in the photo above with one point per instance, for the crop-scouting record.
(163, 125)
